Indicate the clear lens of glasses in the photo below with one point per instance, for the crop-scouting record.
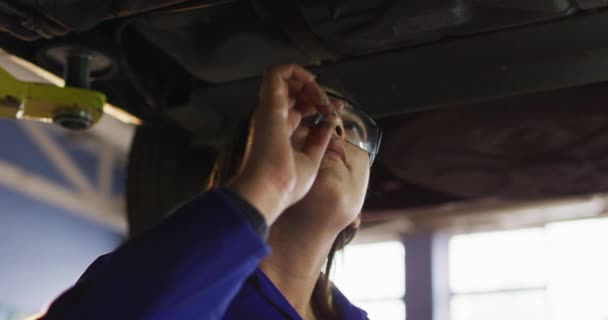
(359, 129)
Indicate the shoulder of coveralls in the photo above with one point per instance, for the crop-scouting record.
(249, 212)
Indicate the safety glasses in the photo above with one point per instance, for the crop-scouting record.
(360, 129)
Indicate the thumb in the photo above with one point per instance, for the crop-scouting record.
(318, 139)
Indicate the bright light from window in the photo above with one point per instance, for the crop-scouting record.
(372, 276)
(384, 310)
(524, 305)
(579, 269)
(498, 260)
(559, 272)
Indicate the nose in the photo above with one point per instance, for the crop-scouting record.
(340, 128)
(339, 106)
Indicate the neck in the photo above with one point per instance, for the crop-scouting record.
(299, 251)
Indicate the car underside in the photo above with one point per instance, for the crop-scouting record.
(478, 99)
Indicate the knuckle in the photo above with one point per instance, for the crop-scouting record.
(278, 68)
(272, 69)
(279, 91)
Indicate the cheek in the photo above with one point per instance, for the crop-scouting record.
(360, 174)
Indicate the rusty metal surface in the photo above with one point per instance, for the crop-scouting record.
(542, 145)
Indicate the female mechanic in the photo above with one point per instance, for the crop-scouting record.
(253, 246)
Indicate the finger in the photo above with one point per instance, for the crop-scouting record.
(307, 95)
(276, 77)
(295, 72)
(274, 91)
(305, 109)
(312, 93)
(294, 118)
(338, 104)
(295, 86)
(318, 139)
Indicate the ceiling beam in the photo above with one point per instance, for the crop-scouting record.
(93, 208)
(57, 156)
(105, 166)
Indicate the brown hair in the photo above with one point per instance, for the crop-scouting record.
(227, 165)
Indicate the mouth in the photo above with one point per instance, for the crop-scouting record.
(336, 149)
(334, 154)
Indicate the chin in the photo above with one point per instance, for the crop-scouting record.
(332, 191)
(332, 181)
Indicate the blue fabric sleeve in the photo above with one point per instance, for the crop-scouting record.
(188, 267)
(258, 222)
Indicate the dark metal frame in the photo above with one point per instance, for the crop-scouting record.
(564, 53)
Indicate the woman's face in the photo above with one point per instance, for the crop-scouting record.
(343, 176)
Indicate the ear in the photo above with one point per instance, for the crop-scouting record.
(356, 223)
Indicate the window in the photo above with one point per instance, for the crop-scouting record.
(558, 272)
(7, 313)
(579, 269)
(372, 276)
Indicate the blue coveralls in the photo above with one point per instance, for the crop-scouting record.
(201, 263)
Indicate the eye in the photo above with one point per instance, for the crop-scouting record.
(355, 129)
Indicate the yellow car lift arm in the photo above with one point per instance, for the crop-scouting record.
(71, 108)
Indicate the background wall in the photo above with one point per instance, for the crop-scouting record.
(43, 249)
(46, 245)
